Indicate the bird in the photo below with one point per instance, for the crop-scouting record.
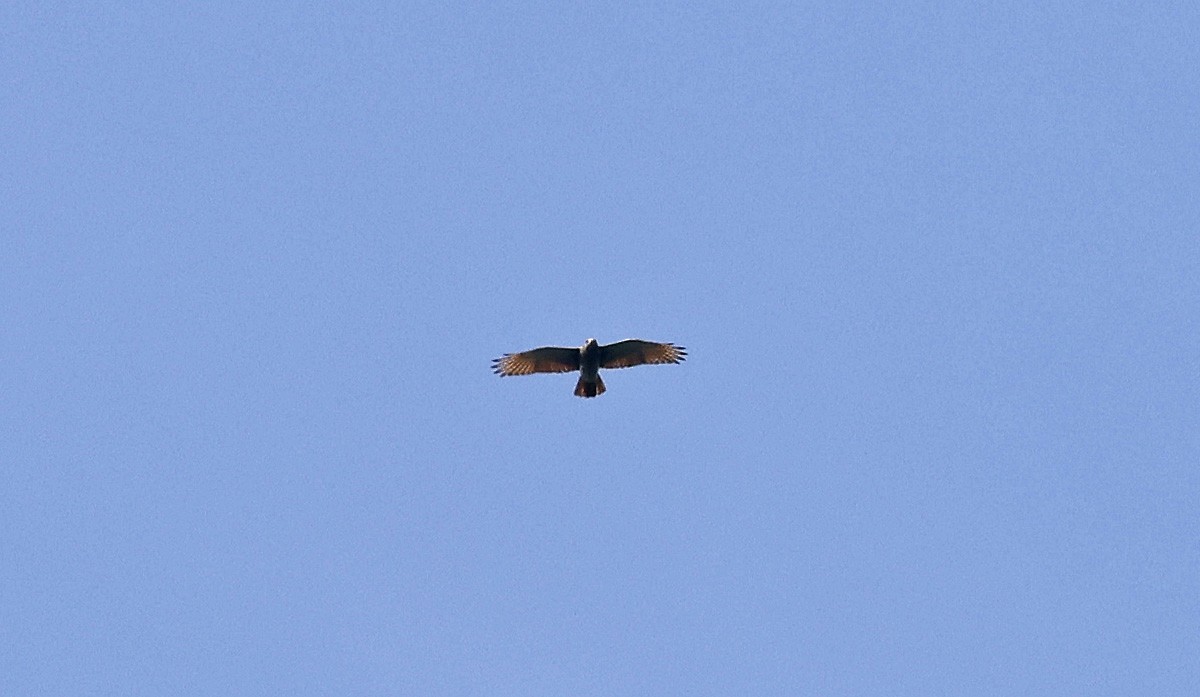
(588, 360)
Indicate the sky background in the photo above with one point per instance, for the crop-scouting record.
(936, 266)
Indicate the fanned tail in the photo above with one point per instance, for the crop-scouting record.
(587, 388)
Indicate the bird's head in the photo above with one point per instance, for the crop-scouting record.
(590, 343)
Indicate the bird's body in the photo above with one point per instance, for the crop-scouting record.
(590, 384)
(588, 360)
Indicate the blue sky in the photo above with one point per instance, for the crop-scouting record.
(935, 265)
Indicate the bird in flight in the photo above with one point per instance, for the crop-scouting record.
(588, 360)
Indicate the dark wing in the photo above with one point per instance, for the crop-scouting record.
(548, 359)
(631, 352)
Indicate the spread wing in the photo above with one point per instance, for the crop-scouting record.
(548, 359)
(631, 352)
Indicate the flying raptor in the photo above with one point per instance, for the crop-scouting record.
(588, 360)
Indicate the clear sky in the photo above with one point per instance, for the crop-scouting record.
(937, 267)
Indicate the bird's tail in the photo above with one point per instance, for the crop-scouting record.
(589, 388)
